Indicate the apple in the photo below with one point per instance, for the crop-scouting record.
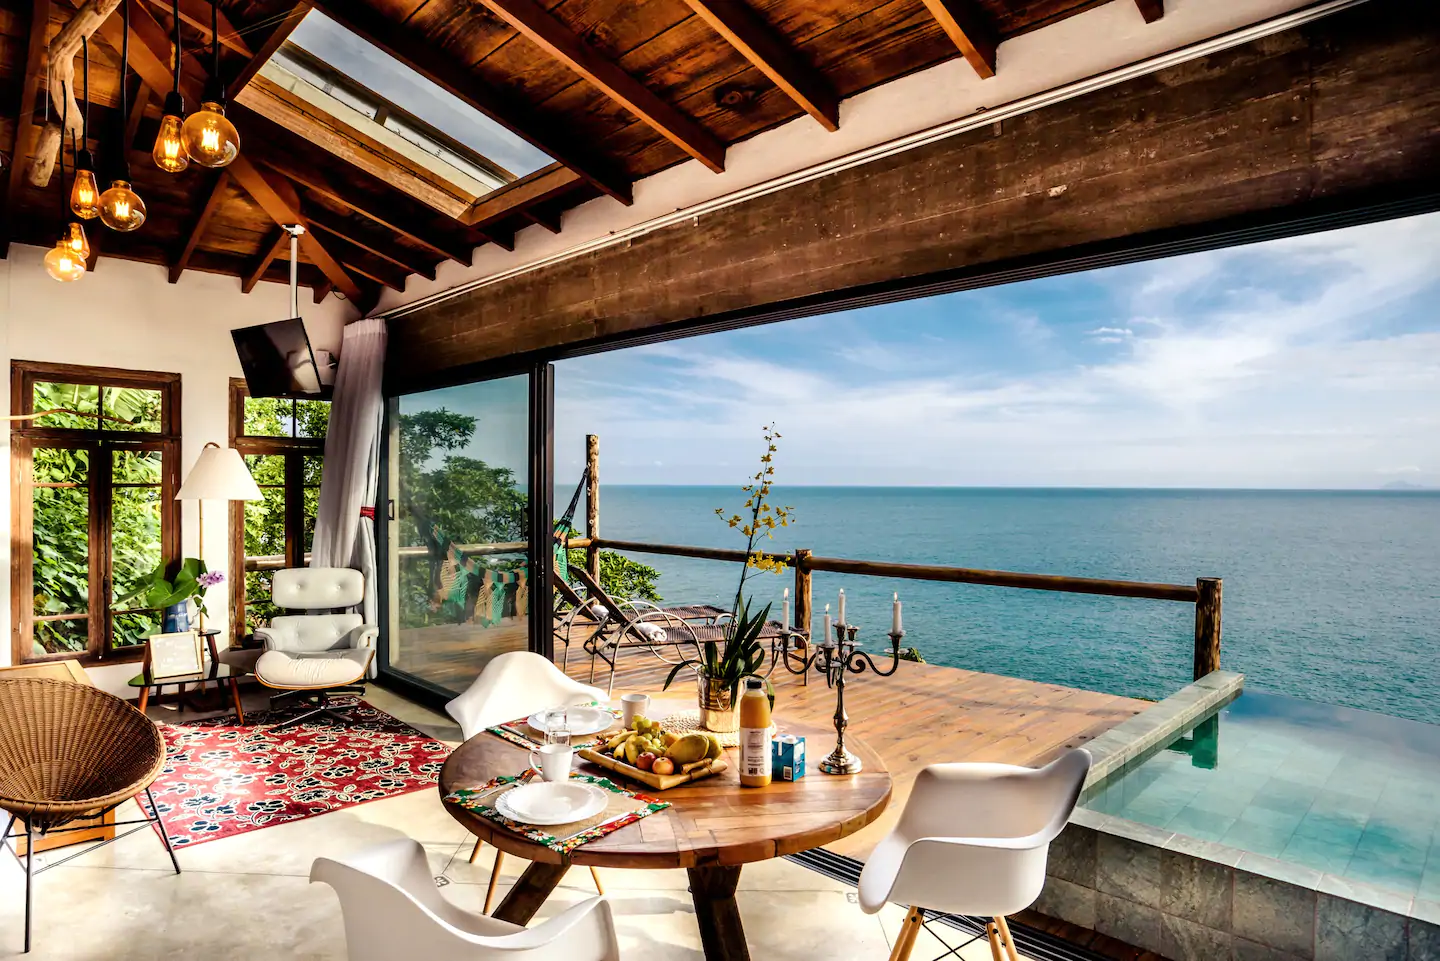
(646, 761)
(663, 765)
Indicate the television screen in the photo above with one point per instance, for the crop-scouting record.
(277, 360)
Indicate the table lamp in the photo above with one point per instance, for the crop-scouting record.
(219, 475)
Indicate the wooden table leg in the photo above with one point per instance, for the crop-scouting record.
(530, 891)
(235, 695)
(144, 698)
(721, 934)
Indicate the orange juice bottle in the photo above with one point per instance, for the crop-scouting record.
(754, 735)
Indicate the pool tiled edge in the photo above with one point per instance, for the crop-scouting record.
(1193, 900)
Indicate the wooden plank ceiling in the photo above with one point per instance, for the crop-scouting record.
(611, 90)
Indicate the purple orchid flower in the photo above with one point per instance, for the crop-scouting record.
(210, 579)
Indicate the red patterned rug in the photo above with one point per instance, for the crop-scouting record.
(223, 779)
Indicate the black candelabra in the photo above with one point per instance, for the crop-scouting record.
(833, 659)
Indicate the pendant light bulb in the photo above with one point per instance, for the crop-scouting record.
(76, 240)
(121, 207)
(64, 264)
(85, 194)
(210, 139)
(169, 151)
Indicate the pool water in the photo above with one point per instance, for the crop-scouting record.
(1341, 791)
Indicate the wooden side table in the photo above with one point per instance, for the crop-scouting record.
(221, 675)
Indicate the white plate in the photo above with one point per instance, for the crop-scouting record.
(584, 721)
(546, 802)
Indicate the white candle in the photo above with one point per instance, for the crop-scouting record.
(895, 619)
(785, 609)
(842, 606)
(829, 640)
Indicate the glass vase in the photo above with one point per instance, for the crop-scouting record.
(717, 705)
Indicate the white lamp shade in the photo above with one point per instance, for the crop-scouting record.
(219, 475)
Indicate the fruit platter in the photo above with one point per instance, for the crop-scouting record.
(658, 758)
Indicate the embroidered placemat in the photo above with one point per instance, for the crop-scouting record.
(520, 732)
(623, 807)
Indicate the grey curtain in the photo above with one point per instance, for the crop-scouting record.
(345, 520)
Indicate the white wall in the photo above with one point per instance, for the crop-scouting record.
(127, 315)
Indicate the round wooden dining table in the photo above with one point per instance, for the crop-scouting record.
(712, 828)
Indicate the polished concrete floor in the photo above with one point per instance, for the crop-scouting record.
(248, 897)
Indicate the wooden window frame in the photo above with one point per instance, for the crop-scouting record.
(25, 435)
(294, 450)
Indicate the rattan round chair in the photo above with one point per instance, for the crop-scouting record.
(71, 751)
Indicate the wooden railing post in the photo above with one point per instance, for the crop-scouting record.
(592, 504)
(1207, 626)
(802, 592)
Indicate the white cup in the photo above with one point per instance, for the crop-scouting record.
(552, 761)
(631, 705)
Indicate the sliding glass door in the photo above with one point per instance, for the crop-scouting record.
(464, 574)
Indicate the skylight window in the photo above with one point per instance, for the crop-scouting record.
(336, 72)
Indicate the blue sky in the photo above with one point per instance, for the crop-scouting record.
(1312, 362)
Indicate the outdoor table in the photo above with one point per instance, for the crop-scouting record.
(712, 828)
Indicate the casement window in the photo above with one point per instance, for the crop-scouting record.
(283, 442)
(93, 482)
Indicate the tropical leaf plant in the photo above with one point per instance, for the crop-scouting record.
(155, 590)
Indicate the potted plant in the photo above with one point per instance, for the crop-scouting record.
(154, 591)
(722, 665)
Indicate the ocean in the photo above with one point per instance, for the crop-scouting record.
(1332, 596)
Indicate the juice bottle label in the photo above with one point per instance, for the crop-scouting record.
(754, 752)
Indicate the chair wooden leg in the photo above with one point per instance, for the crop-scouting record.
(596, 878)
(475, 851)
(494, 880)
(909, 931)
(1004, 927)
(994, 937)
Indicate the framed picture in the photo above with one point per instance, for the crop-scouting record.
(172, 655)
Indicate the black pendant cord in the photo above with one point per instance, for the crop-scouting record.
(215, 48)
(64, 119)
(85, 75)
(124, 165)
(175, 12)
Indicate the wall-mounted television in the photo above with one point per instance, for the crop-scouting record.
(278, 361)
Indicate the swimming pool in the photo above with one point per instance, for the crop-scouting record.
(1345, 792)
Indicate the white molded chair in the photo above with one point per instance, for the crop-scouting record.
(515, 684)
(393, 910)
(973, 839)
(309, 655)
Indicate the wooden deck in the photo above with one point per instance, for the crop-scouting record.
(922, 714)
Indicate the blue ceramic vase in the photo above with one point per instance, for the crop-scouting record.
(177, 618)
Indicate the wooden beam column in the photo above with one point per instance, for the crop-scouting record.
(562, 43)
(970, 30)
(37, 30)
(218, 182)
(1151, 10)
(743, 28)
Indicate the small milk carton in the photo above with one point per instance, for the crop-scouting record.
(787, 757)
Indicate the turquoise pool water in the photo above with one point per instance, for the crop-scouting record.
(1342, 791)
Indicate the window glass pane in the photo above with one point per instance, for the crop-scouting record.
(78, 403)
(312, 507)
(269, 417)
(129, 629)
(312, 418)
(138, 467)
(61, 537)
(131, 408)
(265, 525)
(135, 554)
(313, 469)
(258, 607)
(267, 469)
(71, 635)
(460, 536)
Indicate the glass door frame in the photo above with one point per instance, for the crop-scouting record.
(540, 383)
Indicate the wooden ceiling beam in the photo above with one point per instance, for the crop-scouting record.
(216, 195)
(294, 168)
(1151, 10)
(321, 291)
(773, 55)
(139, 101)
(970, 30)
(279, 202)
(566, 46)
(25, 131)
(396, 255)
(544, 217)
(197, 14)
(454, 77)
(544, 184)
(273, 41)
(278, 242)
